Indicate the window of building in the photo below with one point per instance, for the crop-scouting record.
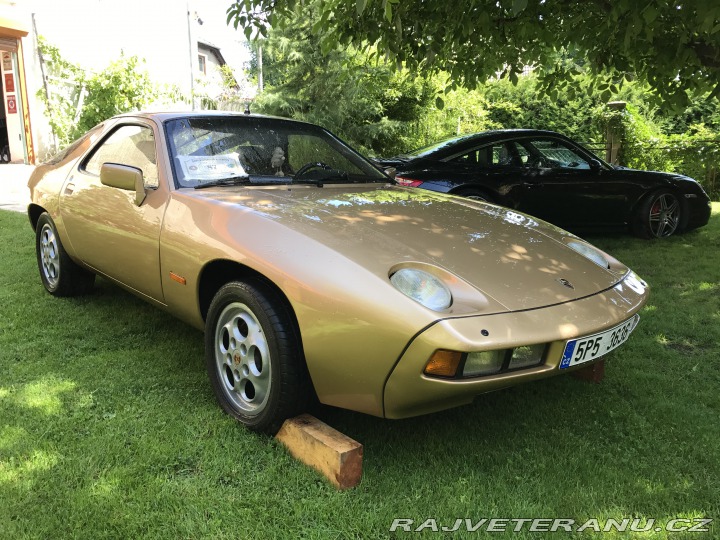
(202, 64)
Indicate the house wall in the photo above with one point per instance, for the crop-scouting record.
(92, 33)
(210, 82)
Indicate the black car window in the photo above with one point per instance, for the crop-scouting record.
(471, 158)
(493, 155)
(128, 145)
(522, 153)
(555, 154)
(502, 155)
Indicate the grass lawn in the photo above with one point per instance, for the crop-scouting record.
(109, 429)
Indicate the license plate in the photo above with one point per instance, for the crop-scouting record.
(585, 349)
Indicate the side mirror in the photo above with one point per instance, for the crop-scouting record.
(390, 171)
(595, 165)
(124, 177)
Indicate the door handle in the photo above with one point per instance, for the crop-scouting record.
(69, 188)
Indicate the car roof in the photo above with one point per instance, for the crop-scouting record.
(449, 146)
(163, 116)
(493, 133)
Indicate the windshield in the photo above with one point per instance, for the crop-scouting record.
(210, 149)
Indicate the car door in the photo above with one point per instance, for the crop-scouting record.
(106, 228)
(569, 187)
(493, 168)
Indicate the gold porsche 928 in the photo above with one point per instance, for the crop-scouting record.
(310, 271)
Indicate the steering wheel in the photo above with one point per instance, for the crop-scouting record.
(310, 166)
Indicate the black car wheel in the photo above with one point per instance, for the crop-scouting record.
(659, 215)
(59, 274)
(254, 357)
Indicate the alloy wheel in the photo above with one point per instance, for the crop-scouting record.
(242, 359)
(664, 215)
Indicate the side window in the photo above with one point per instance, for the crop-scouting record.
(128, 145)
(498, 155)
(522, 153)
(502, 155)
(471, 158)
(558, 155)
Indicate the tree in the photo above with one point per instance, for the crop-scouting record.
(366, 102)
(121, 87)
(674, 46)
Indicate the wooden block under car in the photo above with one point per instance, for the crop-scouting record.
(594, 373)
(323, 448)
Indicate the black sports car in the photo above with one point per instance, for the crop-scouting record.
(549, 176)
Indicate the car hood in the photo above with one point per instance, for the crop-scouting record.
(520, 262)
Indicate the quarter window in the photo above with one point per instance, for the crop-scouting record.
(128, 145)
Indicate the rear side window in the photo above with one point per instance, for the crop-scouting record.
(128, 145)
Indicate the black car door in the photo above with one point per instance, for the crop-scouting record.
(493, 171)
(569, 187)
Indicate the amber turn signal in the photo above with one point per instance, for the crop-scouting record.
(443, 363)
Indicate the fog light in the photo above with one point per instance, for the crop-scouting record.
(526, 356)
(483, 363)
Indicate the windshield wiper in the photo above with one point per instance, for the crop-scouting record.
(332, 178)
(231, 181)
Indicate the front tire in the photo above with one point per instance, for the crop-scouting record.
(659, 215)
(254, 357)
(59, 274)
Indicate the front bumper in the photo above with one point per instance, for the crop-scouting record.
(409, 392)
(699, 210)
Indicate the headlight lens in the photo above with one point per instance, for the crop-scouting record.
(422, 287)
(483, 363)
(589, 252)
(526, 356)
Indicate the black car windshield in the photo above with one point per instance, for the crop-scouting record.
(262, 151)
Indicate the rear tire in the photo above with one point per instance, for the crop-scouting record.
(254, 358)
(59, 274)
(659, 215)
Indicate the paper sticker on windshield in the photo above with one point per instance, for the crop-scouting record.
(211, 167)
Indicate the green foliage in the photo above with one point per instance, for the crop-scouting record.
(384, 111)
(361, 97)
(695, 153)
(78, 101)
(121, 87)
(673, 46)
(65, 84)
(523, 106)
